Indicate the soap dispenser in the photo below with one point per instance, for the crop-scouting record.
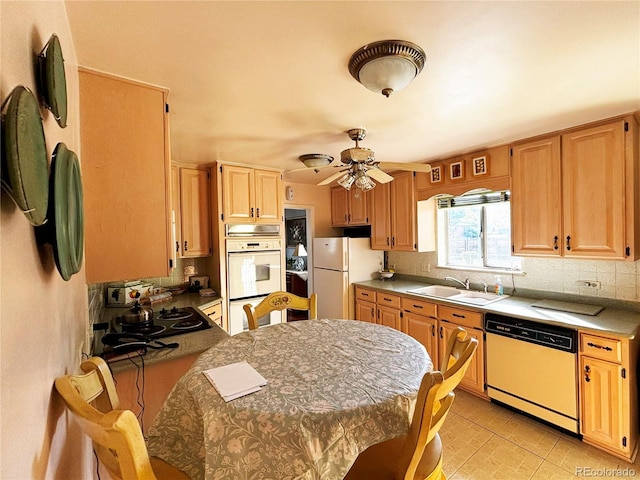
(499, 287)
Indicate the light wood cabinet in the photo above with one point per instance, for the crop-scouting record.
(574, 193)
(609, 393)
(419, 320)
(365, 310)
(250, 195)
(349, 208)
(125, 172)
(536, 197)
(393, 222)
(214, 312)
(192, 213)
(448, 319)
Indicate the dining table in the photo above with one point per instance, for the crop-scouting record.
(334, 388)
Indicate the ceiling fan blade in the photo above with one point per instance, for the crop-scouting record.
(410, 167)
(379, 175)
(333, 177)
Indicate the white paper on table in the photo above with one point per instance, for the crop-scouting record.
(235, 380)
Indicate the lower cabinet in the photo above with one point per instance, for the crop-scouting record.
(609, 393)
(419, 320)
(365, 305)
(389, 312)
(214, 312)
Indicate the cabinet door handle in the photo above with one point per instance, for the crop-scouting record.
(177, 246)
(364, 294)
(555, 242)
(185, 246)
(587, 373)
(433, 330)
(417, 306)
(441, 334)
(387, 240)
(257, 212)
(393, 241)
(568, 242)
(457, 315)
(601, 347)
(345, 217)
(251, 212)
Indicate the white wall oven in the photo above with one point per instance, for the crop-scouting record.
(254, 270)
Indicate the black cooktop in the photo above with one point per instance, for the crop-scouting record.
(165, 323)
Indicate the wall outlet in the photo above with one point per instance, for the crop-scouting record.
(425, 267)
(590, 284)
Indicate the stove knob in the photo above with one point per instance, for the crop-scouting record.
(163, 311)
(174, 310)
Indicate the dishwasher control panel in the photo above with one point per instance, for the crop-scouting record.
(547, 335)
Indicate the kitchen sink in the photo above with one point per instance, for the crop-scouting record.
(457, 295)
(477, 298)
(436, 291)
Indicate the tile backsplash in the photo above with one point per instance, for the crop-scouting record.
(185, 267)
(619, 280)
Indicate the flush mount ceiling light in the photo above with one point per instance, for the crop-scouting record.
(314, 160)
(387, 66)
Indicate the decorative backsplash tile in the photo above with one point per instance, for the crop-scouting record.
(185, 267)
(618, 280)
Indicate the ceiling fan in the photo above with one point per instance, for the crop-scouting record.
(360, 166)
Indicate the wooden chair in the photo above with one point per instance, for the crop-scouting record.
(281, 301)
(116, 434)
(418, 455)
(457, 357)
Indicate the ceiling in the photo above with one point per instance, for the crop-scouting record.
(264, 82)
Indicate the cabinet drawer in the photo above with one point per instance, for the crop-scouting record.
(388, 300)
(366, 295)
(609, 349)
(466, 318)
(214, 313)
(419, 307)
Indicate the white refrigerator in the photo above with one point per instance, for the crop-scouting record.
(337, 263)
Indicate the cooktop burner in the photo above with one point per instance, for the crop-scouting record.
(175, 314)
(187, 324)
(165, 323)
(149, 330)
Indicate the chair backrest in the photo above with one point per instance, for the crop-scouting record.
(432, 405)
(281, 301)
(116, 434)
(434, 400)
(457, 357)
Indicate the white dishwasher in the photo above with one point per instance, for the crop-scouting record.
(532, 367)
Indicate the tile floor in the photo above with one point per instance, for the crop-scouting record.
(483, 441)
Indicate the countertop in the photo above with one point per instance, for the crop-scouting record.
(190, 343)
(612, 320)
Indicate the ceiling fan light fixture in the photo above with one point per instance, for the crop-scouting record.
(387, 66)
(347, 180)
(314, 160)
(364, 181)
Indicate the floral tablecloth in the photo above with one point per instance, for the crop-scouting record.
(335, 387)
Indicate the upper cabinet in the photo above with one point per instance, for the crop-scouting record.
(574, 194)
(250, 195)
(349, 208)
(398, 222)
(125, 169)
(191, 210)
(393, 224)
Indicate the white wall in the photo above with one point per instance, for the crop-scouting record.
(43, 319)
(619, 280)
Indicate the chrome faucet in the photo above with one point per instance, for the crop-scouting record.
(465, 284)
